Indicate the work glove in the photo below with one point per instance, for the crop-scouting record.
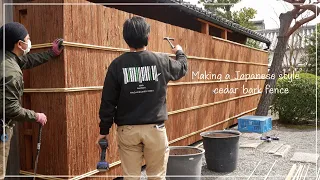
(57, 47)
(41, 118)
(177, 48)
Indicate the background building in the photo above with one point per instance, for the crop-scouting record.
(297, 44)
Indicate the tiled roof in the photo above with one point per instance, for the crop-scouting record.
(213, 18)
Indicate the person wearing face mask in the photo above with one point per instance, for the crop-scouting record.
(14, 49)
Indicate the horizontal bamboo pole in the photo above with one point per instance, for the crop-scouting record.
(105, 48)
(80, 45)
(188, 135)
(210, 104)
(97, 88)
(243, 45)
(210, 82)
(211, 126)
(62, 90)
(74, 178)
(88, 174)
(223, 60)
(95, 171)
(40, 176)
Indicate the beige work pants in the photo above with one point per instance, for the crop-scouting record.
(4, 151)
(138, 142)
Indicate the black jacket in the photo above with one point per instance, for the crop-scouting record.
(135, 88)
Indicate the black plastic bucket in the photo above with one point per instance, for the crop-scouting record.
(221, 149)
(184, 162)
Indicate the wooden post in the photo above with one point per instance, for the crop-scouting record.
(205, 28)
(214, 25)
(26, 127)
(224, 34)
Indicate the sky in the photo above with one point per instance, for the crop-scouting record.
(267, 10)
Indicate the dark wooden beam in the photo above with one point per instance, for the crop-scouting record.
(205, 28)
(224, 34)
(214, 25)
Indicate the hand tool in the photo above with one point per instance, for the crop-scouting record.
(102, 164)
(273, 138)
(168, 39)
(4, 135)
(265, 139)
(38, 151)
(269, 138)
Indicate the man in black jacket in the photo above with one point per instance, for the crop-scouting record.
(134, 97)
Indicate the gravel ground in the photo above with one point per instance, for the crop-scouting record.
(300, 140)
(255, 165)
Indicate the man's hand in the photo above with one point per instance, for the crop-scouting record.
(178, 47)
(57, 46)
(41, 118)
(101, 137)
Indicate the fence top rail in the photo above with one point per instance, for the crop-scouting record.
(243, 45)
(107, 48)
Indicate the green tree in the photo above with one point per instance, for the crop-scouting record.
(285, 31)
(310, 58)
(223, 8)
(241, 17)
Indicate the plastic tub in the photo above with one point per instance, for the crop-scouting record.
(184, 162)
(221, 149)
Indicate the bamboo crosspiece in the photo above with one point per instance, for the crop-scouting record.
(106, 48)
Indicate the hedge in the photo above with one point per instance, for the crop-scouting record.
(299, 105)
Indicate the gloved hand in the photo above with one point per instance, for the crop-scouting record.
(57, 46)
(41, 118)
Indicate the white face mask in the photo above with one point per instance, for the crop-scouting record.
(26, 51)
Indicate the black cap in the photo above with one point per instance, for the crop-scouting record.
(13, 33)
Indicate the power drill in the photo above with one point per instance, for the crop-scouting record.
(102, 164)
